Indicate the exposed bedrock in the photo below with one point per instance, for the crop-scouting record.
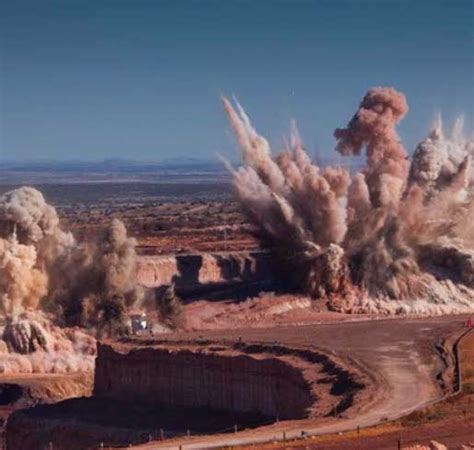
(141, 386)
(272, 380)
(185, 378)
(190, 271)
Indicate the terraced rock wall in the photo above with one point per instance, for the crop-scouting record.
(200, 269)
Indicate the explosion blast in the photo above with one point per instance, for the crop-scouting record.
(394, 238)
(50, 285)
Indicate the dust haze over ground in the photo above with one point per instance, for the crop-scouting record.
(393, 238)
(52, 287)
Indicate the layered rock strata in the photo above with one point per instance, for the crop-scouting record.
(188, 271)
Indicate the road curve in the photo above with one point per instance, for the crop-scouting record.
(405, 357)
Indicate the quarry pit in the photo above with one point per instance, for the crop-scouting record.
(372, 272)
(315, 378)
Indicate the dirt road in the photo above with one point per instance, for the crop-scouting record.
(409, 360)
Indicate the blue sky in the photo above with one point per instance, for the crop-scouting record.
(95, 79)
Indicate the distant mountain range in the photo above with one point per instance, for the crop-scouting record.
(113, 165)
(110, 170)
(188, 170)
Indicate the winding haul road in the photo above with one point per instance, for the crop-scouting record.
(405, 358)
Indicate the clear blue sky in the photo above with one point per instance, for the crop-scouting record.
(95, 79)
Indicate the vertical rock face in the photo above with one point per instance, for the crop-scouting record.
(154, 271)
(144, 386)
(183, 378)
(206, 268)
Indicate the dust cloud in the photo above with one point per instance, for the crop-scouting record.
(395, 237)
(55, 292)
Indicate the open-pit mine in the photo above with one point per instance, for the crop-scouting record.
(334, 301)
